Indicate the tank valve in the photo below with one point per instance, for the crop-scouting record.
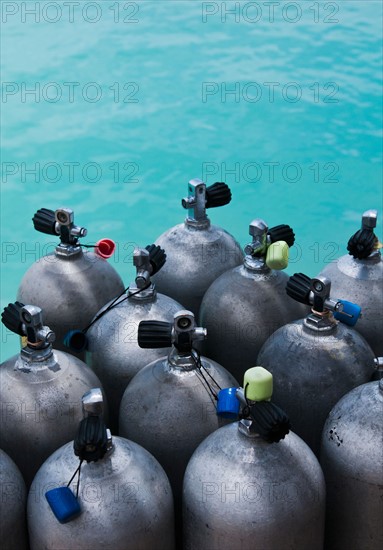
(182, 333)
(59, 222)
(28, 321)
(93, 440)
(147, 262)
(201, 197)
(260, 417)
(316, 293)
(364, 242)
(269, 247)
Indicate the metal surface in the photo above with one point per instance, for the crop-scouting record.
(361, 281)
(70, 290)
(41, 406)
(241, 309)
(195, 258)
(241, 492)
(13, 525)
(113, 352)
(125, 497)
(352, 461)
(313, 369)
(168, 410)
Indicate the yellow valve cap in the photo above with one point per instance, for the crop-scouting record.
(258, 384)
(277, 256)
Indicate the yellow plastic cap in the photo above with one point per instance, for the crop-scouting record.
(258, 384)
(277, 256)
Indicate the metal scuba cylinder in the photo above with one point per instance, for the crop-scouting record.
(352, 462)
(112, 349)
(254, 484)
(69, 285)
(246, 304)
(197, 252)
(12, 506)
(358, 277)
(122, 499)
(40, 391)
(316, 360)
(169, 407)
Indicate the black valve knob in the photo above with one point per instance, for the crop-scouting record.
(91, 441)
(361, 244)
(154, 334)
(11, 318)
(157, 257)
(298, 287)
(272, 423)
(217, 194)
(282, 233)
(44, 221)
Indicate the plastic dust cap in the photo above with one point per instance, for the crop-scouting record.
(349, 314)
(63, 503)
(75, 340)
(277, 256)
(228, 404)
(258, 384)
(105, 248)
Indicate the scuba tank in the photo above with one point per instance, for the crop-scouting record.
(254, 484)
(358, 276)
(245, 305)
(352, 461)
(318, 359)
(40, 390)
(122, 498)
(197, 252)
(12, 506)
(112, 349)
(169, 407)
(69, 285)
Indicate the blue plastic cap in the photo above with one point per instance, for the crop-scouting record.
(75, 340)
(228, 405)
(63, 503)
(349, 315)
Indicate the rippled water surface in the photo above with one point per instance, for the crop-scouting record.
(285, 108)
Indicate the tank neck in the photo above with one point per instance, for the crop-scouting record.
(182, 361)
(68, 250)
(246, 427)
(137, 295)
(374, 258)
(35, 359)
(255, 264)
(321, 323)
(198, 225)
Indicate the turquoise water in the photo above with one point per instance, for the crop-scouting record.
(129, 107)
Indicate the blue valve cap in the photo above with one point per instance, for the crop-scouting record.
(75, 340)
(350, 314)
(228, 405)
(63, 503)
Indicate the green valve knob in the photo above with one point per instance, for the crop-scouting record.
(258, 384)
(277, 256)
